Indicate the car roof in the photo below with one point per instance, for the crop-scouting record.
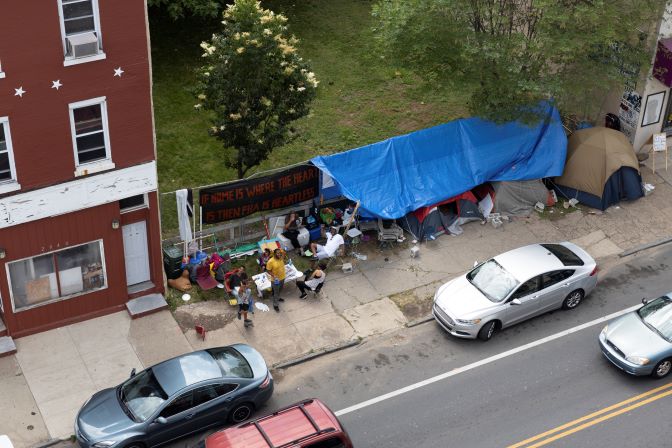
(281, 428)
(191, 368)
(528, 261)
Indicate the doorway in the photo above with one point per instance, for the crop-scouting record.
(136, 254)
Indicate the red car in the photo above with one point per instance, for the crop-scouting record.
(308, 424)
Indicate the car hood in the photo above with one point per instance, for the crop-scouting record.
(103, 416)
(633, 337)
(461, 299)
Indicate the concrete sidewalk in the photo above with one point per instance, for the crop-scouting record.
(52, 374)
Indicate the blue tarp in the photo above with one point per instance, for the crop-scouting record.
(401, 174)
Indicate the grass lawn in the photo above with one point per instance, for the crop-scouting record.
(361, 97)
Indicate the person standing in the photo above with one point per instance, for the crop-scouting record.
(244, 299)
(275, 267)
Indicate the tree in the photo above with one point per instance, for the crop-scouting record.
(510, 54)
(179, 8)
(255, 84)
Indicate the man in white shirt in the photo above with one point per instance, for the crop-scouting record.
(334, 241)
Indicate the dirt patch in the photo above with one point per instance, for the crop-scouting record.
(211, 315)
(414, 304)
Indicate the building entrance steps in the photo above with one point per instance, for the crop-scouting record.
(7, 346)
(145, 305)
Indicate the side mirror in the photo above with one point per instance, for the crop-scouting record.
(161, 420)
(645, 300)
(132, 372)
(475, 263)
(516, 302)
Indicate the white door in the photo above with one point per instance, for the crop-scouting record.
(135, 253)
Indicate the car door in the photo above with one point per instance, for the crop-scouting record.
(555, 287)
(212, 403)
(177, 414)
(528, 296)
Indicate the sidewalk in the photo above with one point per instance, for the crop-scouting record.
(53, 373)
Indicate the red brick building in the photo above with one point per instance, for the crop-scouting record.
(79, 220)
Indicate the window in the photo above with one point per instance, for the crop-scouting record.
(46, 278)
(331, 442)
(2, 74)
(552, 278)
(133, 203)
(88, 123)
(566, 256)
(7, 170)
(207, 393)
(80, 28)
(180, 404)
(529, 287)
(232, 363)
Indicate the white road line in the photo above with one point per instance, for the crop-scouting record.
(482, 362)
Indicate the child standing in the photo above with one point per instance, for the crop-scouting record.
(244, 295)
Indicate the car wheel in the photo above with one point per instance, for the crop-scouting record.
(241, 413)
(662, 369)
(487, 331)
(572, 300)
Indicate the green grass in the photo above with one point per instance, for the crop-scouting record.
(361, 97)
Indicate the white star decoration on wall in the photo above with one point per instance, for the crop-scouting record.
(56, 84)
(118, 72)
(19, 92)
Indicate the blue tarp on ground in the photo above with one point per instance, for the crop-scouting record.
(401, 174)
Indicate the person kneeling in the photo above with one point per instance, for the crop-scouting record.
(313, 281)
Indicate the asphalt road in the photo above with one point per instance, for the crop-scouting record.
(506, 401)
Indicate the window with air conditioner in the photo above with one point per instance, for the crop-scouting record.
(90, 136)
(8, 180)
(80, 27)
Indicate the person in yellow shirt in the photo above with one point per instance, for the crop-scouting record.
(276, 269)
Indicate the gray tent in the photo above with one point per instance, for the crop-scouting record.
(517, 198)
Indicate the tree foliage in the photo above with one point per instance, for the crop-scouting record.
(254, 82)
(510, 54)
(180, 8)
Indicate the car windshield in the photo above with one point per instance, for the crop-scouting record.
(232, 363)
(142, 395)
(657, 314)
(495, 282)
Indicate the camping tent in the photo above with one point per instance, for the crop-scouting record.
(601, 169)
(396, 176)
(517, 198)
(428, 222)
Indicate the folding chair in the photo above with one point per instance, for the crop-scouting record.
(388, 232)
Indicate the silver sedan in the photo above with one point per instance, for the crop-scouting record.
(514, 286)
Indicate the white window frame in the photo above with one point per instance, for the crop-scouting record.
(82, 169)
(145, 204)
(11, 184)
(2, 74)
(96, 23)
(58, 299)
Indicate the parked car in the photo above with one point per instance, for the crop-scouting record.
(640, 342)
(514, 286)
(308, 424)
(176, 397)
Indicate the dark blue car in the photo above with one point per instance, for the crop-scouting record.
(176, 397)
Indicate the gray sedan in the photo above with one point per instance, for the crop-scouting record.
(640, 342)
(176, 397)
(514, 286)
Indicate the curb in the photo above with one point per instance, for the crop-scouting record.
(310, 356)
(644, 247)
(422, 320)
(51, 442)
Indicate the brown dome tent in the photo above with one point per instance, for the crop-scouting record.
(601, 169)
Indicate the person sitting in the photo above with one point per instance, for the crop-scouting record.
(313, 281)
(334, 242)
(291, 232)
(263, 259)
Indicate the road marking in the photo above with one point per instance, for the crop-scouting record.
(593, 422)
(595, 414)
(482, 362)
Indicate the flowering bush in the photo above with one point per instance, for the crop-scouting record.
(255, 83)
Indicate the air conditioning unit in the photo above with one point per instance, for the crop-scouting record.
(82, 45)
